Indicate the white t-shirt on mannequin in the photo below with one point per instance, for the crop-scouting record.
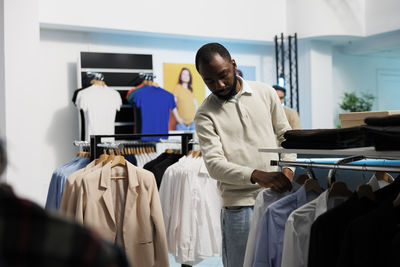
(100, 104)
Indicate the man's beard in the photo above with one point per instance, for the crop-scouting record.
(232, 90)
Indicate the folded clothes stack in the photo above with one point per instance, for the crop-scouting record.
(384, 131)
(327, 138)
(381, 132)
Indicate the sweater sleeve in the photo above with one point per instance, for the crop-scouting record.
(217, 165)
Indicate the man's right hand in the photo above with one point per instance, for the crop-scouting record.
(275, 180)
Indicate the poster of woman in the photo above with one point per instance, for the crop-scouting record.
(184, 82)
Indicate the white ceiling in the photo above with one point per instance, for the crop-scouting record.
(381, 45)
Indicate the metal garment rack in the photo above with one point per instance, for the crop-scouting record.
(95, 140)
(352, 153)
(286, 60)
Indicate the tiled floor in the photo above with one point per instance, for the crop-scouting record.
(211, 262)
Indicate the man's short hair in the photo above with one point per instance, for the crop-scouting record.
(207, 51)
(277, 87)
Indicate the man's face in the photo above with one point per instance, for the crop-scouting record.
(220, 76)
(281, 95)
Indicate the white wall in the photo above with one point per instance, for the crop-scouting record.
(2, 79)
(23, 98)
(234, 19)
(358, 74)
(315, 84)
(304, 66)
(382, 16)
(311, 18)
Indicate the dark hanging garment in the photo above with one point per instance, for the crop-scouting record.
(329, 231)
(159, 165)
(368, 239)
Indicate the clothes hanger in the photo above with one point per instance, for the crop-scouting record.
(102, 157)
(339, 189)
(396, 202)
(196, 154)
(312, 185)
(332, 172)
(97, 82)
(118, 160)
(365, 190)
(110, 157)
(384, 176)
(302, 178)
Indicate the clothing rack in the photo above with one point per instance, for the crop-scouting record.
(81, 144)
(187, 142)
(355, 154)
(95, 140)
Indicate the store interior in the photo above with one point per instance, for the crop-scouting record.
(343, 46)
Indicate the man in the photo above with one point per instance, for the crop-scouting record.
(291, 115)
(237, 119)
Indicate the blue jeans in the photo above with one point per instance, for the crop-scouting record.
(235, 224)
(184, 127)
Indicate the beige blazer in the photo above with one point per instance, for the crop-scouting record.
(70, 192)
(143, 225)
(292, 117)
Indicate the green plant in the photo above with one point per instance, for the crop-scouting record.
(353, 103)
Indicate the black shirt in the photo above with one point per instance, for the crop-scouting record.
(329, 230)
(159, 165)
(368, 239)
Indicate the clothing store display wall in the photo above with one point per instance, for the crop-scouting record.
(118, 71)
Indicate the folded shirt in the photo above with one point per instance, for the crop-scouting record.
(384, 138)
(391, 120)
(327, 138)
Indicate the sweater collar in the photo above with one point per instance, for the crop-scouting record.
(246, 90)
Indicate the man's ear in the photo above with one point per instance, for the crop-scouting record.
(234, 65)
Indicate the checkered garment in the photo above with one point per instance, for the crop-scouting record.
(29, 236)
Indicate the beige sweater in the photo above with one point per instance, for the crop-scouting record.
(230, 134)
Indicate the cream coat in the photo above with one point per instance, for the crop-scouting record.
(143, 225)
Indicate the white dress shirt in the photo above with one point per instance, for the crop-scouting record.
(191, 206)
(298, 227)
